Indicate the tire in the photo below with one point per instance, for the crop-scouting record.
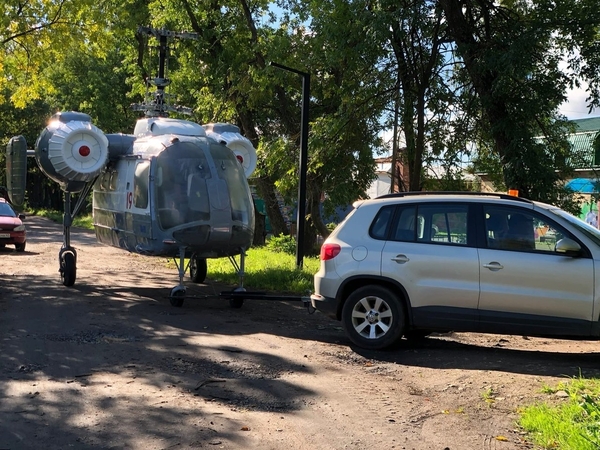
(19, 247)
(373, 317)
(238, 302)
(68, 270)
(177, 297)
(198, 269)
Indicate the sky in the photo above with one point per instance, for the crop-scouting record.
(576, 106)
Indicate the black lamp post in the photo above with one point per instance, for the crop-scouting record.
(301, 214)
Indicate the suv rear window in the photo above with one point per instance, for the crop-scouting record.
(381, 223)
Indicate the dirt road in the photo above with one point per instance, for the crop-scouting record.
(109, 363)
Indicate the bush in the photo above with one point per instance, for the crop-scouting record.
(282, 244)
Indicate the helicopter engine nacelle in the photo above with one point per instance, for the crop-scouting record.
(230, 136)
(71, 151)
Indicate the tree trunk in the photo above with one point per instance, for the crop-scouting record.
(266, 191)
(314, 209)
(260, 228)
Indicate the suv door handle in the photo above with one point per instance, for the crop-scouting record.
(493, 266)
(401, 259)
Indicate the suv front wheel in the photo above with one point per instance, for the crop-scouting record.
(373, 317)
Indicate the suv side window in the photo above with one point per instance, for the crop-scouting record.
(433, 223)
(521, 230)
(405, 224)
(443, 223)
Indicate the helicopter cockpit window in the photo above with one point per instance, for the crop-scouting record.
(198, 197)
(230, 170)
(140, 184)
(181, 193)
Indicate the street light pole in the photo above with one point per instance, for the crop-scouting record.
(301, 210)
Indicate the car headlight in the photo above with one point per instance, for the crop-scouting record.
(19, 228)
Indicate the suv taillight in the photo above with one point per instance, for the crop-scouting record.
(329, 251)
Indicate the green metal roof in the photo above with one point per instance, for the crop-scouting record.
(582, 142)
(582, 146)
(589, 124)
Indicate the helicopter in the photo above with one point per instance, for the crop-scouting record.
(173, 188)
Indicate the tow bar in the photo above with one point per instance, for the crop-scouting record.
(237, 297)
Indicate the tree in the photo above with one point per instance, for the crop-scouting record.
(96, 86)
(234, 82)
(342, 52)
(417, 38)
(63, 55)
(511, 54)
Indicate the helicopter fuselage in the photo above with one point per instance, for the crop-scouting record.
(173, 187)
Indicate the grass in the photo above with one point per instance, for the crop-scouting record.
(489, 396)
(57, 216)
(267, 269)
(572, 425)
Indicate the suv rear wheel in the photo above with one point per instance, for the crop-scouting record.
(373, 317)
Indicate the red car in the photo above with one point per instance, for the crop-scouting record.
(12, 230)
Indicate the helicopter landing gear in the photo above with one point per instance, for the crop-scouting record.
(178, 292)
(236, 300)
(177, 296)
(198, 269)
(67, 259)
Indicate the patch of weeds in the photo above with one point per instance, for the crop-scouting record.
(572, 425)
(489, 396)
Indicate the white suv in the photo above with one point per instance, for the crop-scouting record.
(409, 264)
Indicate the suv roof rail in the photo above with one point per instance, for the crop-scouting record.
(465, 193)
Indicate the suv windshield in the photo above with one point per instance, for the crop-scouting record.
(590, 231)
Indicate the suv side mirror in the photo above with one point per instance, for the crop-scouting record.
(568, 246)
(22, 216)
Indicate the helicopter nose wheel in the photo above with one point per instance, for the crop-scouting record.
(68, 266)
(177, 296)
(198, 269)
(237, 301)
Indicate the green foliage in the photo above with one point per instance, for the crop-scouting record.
(282, 244)
(479, 78)
(572, 425)
(267, 270)
(518, 86)
(94, 85)
(80, 221)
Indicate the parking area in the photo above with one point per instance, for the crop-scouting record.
(110, 363)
